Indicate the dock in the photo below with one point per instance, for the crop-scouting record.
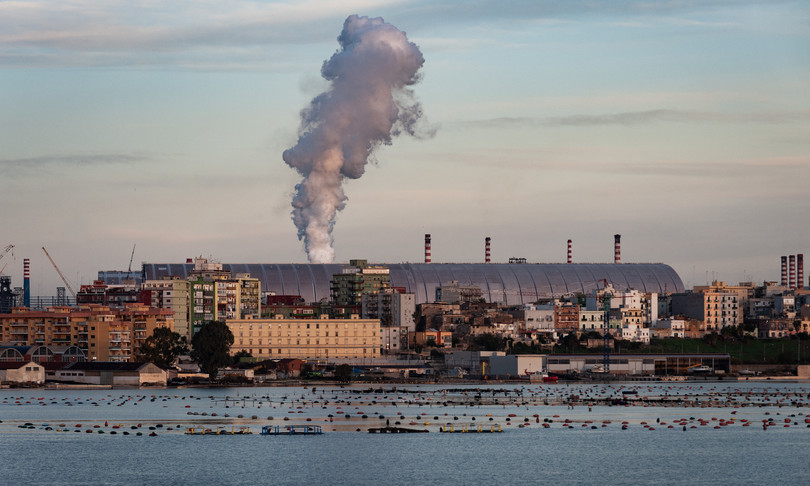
(292, 430)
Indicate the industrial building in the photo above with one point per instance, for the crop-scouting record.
(507, 283)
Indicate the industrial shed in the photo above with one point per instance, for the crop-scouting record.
(19, 373)
(508, 283)
(112, 373)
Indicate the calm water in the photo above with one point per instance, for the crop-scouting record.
(731, 455)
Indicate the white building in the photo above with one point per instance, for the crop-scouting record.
(635, 333)
(19, 373)
(537, 317)
(591, 320)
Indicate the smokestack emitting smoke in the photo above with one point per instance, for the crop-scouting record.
(784, 271)
(617, 248)
(368, 103)
(570, 256)
(488, 249)
(427, 248)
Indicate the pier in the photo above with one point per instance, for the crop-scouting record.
(292, 430)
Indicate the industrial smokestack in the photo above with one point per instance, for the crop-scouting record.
(487, 250)
(792, 271)
(427, 248)
(570, 257)
(617, 248)
(784, 271)
(800, 271)
(369, 101)
(26, 282)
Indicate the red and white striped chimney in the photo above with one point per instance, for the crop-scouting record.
(792, 271)
(570, 258)
(617, 248)
(26, 282)
(784, 271)
(800, 271)
(488, 249)
(427, 248)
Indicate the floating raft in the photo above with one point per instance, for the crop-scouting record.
(292, 430)
(396, 430)
(218, 431)
(469, 429)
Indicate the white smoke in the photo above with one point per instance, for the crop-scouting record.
(368, 102)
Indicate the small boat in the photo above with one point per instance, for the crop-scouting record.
(700, 369)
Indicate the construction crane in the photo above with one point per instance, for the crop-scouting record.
(3, 253)
(132, 257)
(5, 250)
(60, 273)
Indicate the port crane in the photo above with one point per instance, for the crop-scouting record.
(72, 292)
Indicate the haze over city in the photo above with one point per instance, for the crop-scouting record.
(682, 126)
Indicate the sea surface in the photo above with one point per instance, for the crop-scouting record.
(70, 438)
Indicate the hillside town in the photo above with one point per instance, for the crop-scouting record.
(380, 329)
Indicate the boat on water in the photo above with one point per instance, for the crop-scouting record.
(700, 369)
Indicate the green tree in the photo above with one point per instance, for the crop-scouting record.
(211, 347)
(237, 358)
(163, 347)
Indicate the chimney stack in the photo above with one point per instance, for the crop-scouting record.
(617, 248)
(800, 271)
(792, 271)
(784, 271)
(487, 250)
(427, 248)
(26, 282)
(570, 258)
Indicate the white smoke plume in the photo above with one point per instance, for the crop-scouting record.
(368, 103)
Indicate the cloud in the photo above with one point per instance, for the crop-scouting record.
(39, 29)
(20, 165)
(111, 33)
(634, 118)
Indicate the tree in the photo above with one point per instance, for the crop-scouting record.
(211, 347)
(237, 358)
(163, 347)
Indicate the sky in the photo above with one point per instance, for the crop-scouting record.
(682, 125)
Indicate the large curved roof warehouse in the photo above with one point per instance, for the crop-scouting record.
(499, 282)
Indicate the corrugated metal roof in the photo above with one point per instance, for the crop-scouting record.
(499, 282)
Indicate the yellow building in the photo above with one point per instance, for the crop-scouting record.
(322, 338)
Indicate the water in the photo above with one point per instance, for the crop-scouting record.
(732, 454)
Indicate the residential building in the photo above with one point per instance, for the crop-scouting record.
(171, 293)
(102, 333)
(716, 309)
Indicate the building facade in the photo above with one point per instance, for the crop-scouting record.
(318, 338)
